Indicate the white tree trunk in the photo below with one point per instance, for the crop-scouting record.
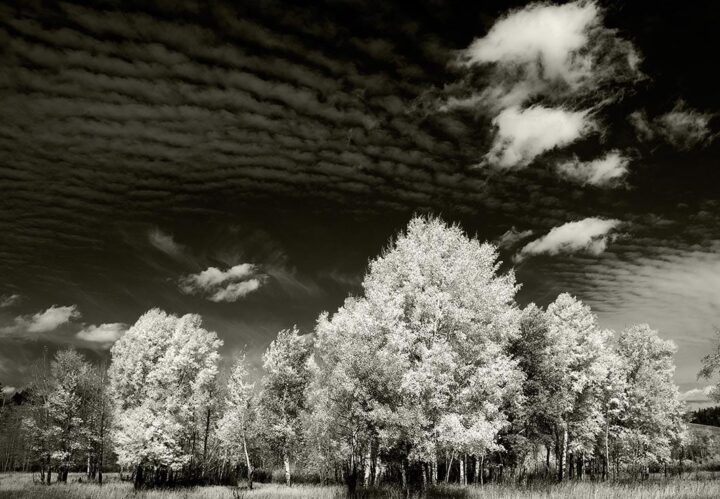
(250, 468)
(367, 465)
(449, 466)
(434, 470)
(378, 470)
(286, 462)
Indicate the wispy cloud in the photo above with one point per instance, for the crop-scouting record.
(103, 334)
(165, 243)
(513, 236)
(9, 300)
(43, 322)
(605, 171)
(589, 235)
(223, 285)
(648, 279)
(682, 127)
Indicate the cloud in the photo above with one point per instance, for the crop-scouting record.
(541, 39)
(559, 58)
(513, 236)
(41, 322)
(49, 320)
(682, 127)
(9, 300)
(643, 128)
(218, 285)
(698, 395)
(553, 49)
(524, 134)
(165, 243)
(604, 171)
(8, 390)
(651, 279)
(588, 235)
(105, 334)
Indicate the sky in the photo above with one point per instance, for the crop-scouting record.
(246, 162)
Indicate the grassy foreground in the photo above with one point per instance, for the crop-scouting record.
(20, 485)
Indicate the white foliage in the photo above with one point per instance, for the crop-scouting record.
(162, 373)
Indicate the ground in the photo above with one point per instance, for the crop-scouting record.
(21, 486)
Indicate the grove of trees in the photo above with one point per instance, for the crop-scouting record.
(433, 373)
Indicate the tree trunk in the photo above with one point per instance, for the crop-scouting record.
(482, 471)
(563, 454)
(434, 470)
(476, 479)
(286, 462)
(403, 472)
(250, 468)
(449, 466)
(378, 471)
(547, 460)
(205, 440)
(102, 442)
(462, 470)
(424, 475)
(367, 468)
(100, 466)
(606, 461)
(580, 467)
(138, 477)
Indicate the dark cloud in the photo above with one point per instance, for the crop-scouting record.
(141, 142)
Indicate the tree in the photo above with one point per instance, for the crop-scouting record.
(283, 397)
(69, 371)
(240, 412)
(15, 440)
(162, 373)
(536, 419)
(711, 365)
(614, 402)
(652, 418)
(356, 388)
(97, 414)
(427, 340)
(574, 367)
(38, 422)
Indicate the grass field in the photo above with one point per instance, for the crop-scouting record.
(21, 486)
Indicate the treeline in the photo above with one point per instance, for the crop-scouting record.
(61, 422)
(708, 416)
(432, 374)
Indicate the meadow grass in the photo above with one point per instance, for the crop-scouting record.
(21, 486)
